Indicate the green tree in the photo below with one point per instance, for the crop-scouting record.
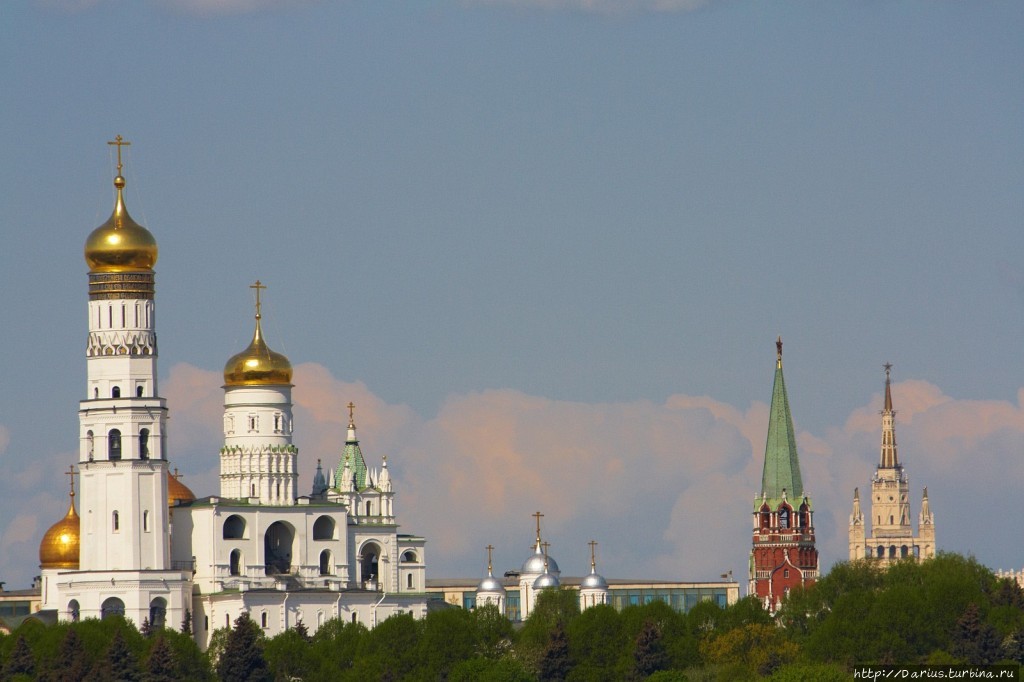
(186, 622)
(555, 663)
(120, 664)
(242, 659)
(335, 647)
(480, 669)
(448, 637)
(288, 656)
(974, 640)
(493, 631)
(597, 645)
(389, 651)
(21, 660)
(649, 651)
(160, 666)
(71, 664)
(759, 648)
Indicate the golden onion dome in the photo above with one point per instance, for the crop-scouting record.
(177, 491)
(120, 244)
(257, 365)
(60, 545)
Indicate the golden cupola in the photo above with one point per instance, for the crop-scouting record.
(60, 545)
(257, 365)
(177, 491)
(120, 244)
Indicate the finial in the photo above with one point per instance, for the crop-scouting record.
(71, 473)
(545, 545)
(888, 393)
(120, 142)
(257, 286)
(176, 474)
(926, 492)
(385, 465)
(593, 561)
(856, 493)
(778, 350)
(537, 515)
(888, 367)
(351, 415)
(489, 549)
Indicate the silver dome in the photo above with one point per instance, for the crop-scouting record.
(490, 584)
(535, 564)
(546, 581)
(594, 582)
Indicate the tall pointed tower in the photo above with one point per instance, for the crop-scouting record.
(124, 564)
(892, 535)
(783, 554)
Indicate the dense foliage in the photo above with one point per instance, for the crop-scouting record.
(945, 610)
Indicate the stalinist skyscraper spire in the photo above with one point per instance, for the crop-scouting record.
(892, 534)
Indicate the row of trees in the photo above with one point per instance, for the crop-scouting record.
(946, 610)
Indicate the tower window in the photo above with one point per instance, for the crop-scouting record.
(145, 521)
(784, 517)
(138, 391)
(277, 423)
(116, 519)
(115, 392)
(114, 444)
(408, 581)
(252, 422)
(96, 393)
(144, 443)
(89, 445)
(263, 619)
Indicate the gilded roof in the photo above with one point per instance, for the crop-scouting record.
(60, 545)
(120, 244)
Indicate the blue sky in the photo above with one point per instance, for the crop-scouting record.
(546, 246)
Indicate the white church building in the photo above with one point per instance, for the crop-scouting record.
(143, 546)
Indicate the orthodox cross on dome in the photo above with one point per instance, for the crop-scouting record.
(593, 559)
(257, 286)
(489, 548)
(545, 545)
(120, 142)
(351, 415)
(537, 515)
(888, 367)
(71, 473)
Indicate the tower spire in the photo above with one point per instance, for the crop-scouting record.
(781, 475)
(889, 458)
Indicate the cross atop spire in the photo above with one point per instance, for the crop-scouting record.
(537, 515)
(71, 474)
(778, 351)
(120, 142)
(258, 286)
(593, 560)
(489, 548)
(351, 415)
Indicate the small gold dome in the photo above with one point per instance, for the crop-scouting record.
(177, 491)
(257, 365)
(120, 244)
(60, 545)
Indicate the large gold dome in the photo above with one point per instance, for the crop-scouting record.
(257, 365)
(60, 545)
(120, 244)
(177, 491)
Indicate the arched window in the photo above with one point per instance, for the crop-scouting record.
(784, 517)
(263, 620)
(89, 444)
(234, 527)
(158, 612)
(277, 548)
(235, 567)
(114, 444)
(766, 517)
(144, 443)
(880, 551)
(74, 611)
(138, 391)
(325, 562)
(145, 522)
(369, 508)
(279, 489)
(96, 393)
(112, 607)
(115, 392)
(904, 551)
(408, 581)
(323, 528)
(805, 516)
(116, 521)
(892, 551)
(252, 490)
(408, 557)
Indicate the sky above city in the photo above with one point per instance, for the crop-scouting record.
(546, 247)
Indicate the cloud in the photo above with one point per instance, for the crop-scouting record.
(602, 6)
(665, 488)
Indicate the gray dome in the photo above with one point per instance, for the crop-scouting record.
(490, 584)
(535, 564)
(594, 582)
(546, 581)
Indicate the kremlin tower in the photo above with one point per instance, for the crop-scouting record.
(783, 554)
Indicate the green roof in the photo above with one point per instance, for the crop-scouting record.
(781, 463)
